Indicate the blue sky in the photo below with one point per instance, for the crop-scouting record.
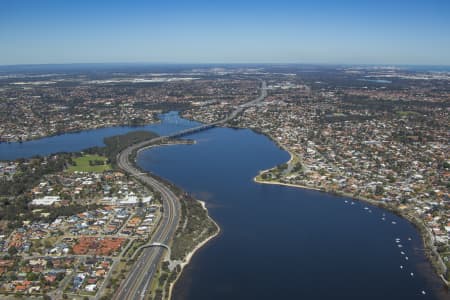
(321, 31)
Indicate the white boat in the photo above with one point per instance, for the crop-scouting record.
(406, 257)
(401, 267)
(402, 253)
(412, 274)
(423, 292)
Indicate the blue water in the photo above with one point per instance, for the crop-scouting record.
(72, 142)
(286, 243)
(376, 80)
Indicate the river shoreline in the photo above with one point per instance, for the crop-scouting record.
(174, 290)
(189, 256)
(80, 130)
(427, 237)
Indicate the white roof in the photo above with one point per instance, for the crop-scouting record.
(47, 200)
(90, 287)
(131, 199)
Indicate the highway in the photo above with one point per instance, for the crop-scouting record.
(138, 281)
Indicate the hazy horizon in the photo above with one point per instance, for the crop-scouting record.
(349, 32)
(225, 63)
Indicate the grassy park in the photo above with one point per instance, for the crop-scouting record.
(90, 163)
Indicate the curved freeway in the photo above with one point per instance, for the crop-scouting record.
(138, 281)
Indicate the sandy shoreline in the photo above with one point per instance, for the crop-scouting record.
(427, 237)
(189, 256)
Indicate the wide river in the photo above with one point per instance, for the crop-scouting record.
(276, 242)
(286, 243)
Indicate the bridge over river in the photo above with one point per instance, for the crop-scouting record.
(233, 115)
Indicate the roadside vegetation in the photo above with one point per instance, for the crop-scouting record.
(115, 144)
(194, 228)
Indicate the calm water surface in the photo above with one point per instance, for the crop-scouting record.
(72, 142)
(286, 243)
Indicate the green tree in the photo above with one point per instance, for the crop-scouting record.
(12, 251)
(379, 190)
(31, 276)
